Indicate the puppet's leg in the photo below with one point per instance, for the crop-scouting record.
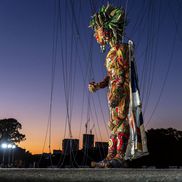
(122, 132)
(112, 148)
(123, 127)
(122, 140)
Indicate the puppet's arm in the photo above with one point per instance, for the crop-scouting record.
(103, 83)
(96, 86)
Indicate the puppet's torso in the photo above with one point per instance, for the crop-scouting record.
(117, 66)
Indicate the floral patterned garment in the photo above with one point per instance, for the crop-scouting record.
(117, 66)
(126, 126)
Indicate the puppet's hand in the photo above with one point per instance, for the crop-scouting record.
(92, 87)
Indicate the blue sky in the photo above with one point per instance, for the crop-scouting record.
(26, 57)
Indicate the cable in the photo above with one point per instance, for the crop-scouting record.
(166, 75)
(126, 6)
(54, 55)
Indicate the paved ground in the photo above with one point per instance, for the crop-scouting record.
(88, 174)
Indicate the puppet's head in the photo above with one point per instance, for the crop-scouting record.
(108, 24)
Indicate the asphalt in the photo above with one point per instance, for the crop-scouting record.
(90, 174)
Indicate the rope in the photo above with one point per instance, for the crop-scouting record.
(167, 73)
(53, 59)
(126, 7)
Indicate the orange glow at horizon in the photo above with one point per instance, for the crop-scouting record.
(35, 137)
(37, 147)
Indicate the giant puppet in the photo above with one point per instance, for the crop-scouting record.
(127, 135)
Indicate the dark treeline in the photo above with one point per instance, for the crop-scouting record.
(165, 148)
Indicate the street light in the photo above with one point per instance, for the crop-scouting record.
(8, 146)
(4, 145)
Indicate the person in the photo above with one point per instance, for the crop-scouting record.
(108, 25)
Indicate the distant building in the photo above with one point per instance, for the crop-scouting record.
(57, 152)
(101, 145)
(46, 155)
(88, 141)
(69, 145)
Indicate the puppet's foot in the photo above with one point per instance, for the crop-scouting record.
(117, 162)
(102, 164)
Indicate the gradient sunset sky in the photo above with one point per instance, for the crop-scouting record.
(29, 31)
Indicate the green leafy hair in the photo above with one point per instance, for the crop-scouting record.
(111, 19)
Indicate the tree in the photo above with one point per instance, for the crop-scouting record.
(165, 147)
(9, 131)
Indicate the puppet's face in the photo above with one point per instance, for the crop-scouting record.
(101, 36)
